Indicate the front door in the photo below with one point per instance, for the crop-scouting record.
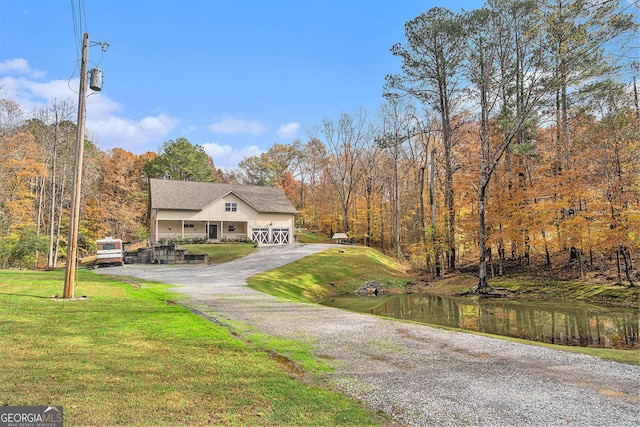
(213, 231)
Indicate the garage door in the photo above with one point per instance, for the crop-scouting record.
(280, 236)
(260, 235)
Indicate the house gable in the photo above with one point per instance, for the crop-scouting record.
(217, 209)
(230, 197)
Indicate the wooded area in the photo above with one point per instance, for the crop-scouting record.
(510, 137)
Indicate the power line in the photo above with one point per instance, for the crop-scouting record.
(79, 21)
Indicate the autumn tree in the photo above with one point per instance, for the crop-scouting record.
(258, 170)
(607, 135)
(345, 143)
(420, 158)
(576, 33)
(55, 135)
(269, 169)
(431, 72)
(20, 166)
(529, 88)
(119, 206)
(90, 187)
(397, 128)
(310, 167)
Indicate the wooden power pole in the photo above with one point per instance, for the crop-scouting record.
(74, 214)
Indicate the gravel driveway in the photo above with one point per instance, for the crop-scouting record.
(418, 375)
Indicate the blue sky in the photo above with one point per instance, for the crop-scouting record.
(233, 76)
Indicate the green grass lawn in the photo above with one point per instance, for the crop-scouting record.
(221, 252)
(312, 237)
(127, 356)
(329, 272)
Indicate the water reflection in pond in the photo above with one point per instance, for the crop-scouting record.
(568, 323)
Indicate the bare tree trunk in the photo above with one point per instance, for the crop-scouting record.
(396, 202)
(421, 212)
(619, 270)
(432, 203)
(635, 92)
(52, 211)
(483, 284)
(485, 174)
(60, 210)
(40, 184)
(546, 248)
(493, 273)
(626, 256)
(580, 266)
(449, 202)
(369, 195)
(40, 205)
(382, 223)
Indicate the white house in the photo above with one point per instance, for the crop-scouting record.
(219, 212)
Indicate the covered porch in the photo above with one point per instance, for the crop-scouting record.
(212, 231)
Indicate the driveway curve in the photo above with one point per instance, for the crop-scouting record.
(417, 374)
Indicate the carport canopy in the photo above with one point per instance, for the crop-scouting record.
(340, 237)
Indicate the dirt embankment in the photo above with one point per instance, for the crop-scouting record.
(532, 284)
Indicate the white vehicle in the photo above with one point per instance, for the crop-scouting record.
(110, 252)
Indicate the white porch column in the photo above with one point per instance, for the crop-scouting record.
(293, 229)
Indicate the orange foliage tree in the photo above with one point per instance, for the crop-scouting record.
(118, 207)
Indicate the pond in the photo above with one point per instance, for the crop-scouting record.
(567, 323)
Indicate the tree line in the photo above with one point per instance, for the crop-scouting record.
(510, 135)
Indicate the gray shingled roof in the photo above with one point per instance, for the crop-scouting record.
(190, 195)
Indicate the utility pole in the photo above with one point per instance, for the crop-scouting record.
(74, 215)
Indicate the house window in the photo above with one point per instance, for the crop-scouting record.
(230, 207)
(188, 226)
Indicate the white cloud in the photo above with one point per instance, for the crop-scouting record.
(32, 95)
(113, 131)
(105, 123)
(101, 107)
(20, 66)
(228, 157)
(232, 126)
(288, 130)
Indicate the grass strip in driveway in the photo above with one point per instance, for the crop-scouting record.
(125, 356)
(221, 252)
